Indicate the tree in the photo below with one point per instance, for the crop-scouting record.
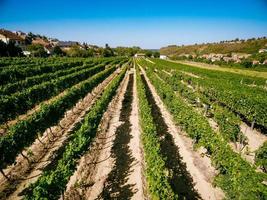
(58, 51)
(28, 40)
(148, 53)
(77, 51)
(85, 45)
(246, 63)
(13, 50)
(107, 52)
(3, 49)
(37, 50)
(90, 52)
(156, 54)
(10, 49)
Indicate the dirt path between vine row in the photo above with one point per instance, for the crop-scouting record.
(4, 127)
(112, 168)
(137, 170)
(88, 180)
(199, 167)
(255, 141)
(46, 150)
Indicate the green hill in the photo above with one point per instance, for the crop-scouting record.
(249, 46)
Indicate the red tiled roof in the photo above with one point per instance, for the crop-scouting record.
(10, 35)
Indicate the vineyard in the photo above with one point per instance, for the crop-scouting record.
(130, 128)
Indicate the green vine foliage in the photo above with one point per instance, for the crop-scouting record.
(236, 177)
(23, 133)
(53, 182)
(156, 172)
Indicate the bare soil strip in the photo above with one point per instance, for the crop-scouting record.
(44, 150)
(198, 167)
(125, 180)
(89, 179)
(255, 138)
(112, 168)
(116, 186)
(255, 141)
(136, 177)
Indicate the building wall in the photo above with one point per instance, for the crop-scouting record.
(7, 40)
(4, 39)
(163, 57)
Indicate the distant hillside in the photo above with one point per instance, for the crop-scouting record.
(249, 46)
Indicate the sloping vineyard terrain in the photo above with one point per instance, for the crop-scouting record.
(130, 128)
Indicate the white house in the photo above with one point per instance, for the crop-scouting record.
(262, 50)
(140, 55)
(8, 36)
(164, 57)
(26, 53)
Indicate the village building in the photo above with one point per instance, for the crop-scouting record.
(140, 55)
(213, 59)
(26, 53)
(255, 62)
(21, 34)
(163, 57)
(227, 59)
(45, 43)
(262, 50)
(8, 36)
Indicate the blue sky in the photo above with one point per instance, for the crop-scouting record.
(147, 23)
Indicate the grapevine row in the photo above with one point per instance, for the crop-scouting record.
(156, 172)
(8, 89)
(18, 103)
(235, 79)
(236, 177)
(23, 133)
(16, 74)
(53, 182)
(229, 123)
(249, 103)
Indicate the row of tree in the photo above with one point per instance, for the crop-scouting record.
(9, 49)
(38, 50)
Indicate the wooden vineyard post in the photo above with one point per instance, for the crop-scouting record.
(252, 124)
(24, 156)
(38, 138)
(4, 175)
(62, 193)
(51, 132)
(206, 107)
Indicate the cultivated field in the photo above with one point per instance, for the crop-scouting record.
(124, 128)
